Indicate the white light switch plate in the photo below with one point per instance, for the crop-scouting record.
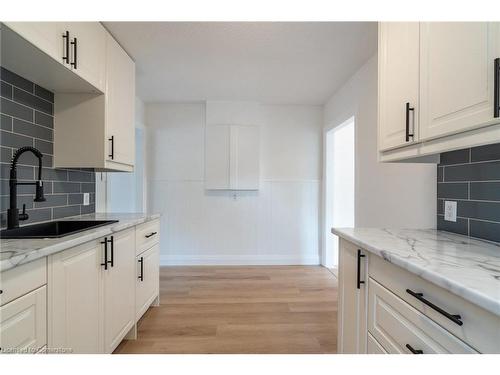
(450, 211)
(86, 199)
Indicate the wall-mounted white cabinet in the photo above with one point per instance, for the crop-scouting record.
(78, 46)
(232, 157)
(437, 87)
(98, 131)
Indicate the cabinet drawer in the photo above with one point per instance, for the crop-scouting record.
(399, 328)
(22, 279)
(23, 323)
(147, 234)
(480, 328)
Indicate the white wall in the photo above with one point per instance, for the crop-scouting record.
(387, 195)
(276, 225)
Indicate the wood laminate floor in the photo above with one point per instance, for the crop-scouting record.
(260, 309)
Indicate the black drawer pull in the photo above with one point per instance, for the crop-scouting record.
(408, 109)
(414, 351)
(112, 154)
(105, 243)
(141, 261)
(74, 43)
(150, 235)
(496, 88)
(112, 261)
(66, 47)
(420, 296)
(358, 279)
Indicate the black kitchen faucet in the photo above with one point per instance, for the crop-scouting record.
(13, 215)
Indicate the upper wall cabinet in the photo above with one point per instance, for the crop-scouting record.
(438, 88)
(398, 84)
(232, 157)
(78, 46)
(97, 131)
(456, 76)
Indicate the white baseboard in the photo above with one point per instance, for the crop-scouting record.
(242, 260)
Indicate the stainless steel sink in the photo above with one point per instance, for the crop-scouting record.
(54, 229)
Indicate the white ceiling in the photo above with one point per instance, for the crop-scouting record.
(299, 63)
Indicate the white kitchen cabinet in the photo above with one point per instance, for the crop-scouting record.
(455, 105)
(120, 104)
(352, 309)
(456, 76)
(23, 324)
(98, 131)
(75, 298)
(46, 36)
(147, 280)
(78, 46)
(119, 289)
(89, 58)
(398, 78)
(232, 157)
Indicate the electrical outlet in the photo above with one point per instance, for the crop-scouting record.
(450, 211)
(86, 199)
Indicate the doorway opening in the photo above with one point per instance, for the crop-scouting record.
(339, 186)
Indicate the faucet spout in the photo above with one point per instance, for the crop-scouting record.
(13, 215)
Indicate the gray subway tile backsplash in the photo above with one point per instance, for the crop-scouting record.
(27, 120)
(471, 177)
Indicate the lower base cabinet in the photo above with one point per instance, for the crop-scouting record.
(75, 299)
(378, 314)
(147, 281)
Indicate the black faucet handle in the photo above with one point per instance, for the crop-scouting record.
(24, 215)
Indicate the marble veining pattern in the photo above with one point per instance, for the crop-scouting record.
(467, 267)
(14, 252)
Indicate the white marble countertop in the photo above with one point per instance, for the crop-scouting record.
(464, 266)
(14, 252)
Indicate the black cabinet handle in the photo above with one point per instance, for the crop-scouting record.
(420, 296)
(496, 89)
(105, 264)
(112, 140)
(150, 235)
(66, 47)
(358, 279)
(141, 261)
(408, 109)
(74, 43)
(111, 241)
(414, 351)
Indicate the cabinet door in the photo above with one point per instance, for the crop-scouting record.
(244, 160)
(148, 278)
(398, 64)
(119, 289)
(91, 52)
(456, 76)
(120, 104)
(46, 36)
(352, 301)
(75, 299)
(217, 147)
(23, 323)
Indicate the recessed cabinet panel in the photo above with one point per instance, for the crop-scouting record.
(398, 83)
(245, 163)
(456, 76)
